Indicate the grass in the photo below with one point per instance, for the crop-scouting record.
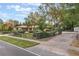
(73, 52)
(25, 35)
(75, 43)
(18, 42)
(30, 36)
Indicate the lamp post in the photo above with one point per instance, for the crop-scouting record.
(76, 29)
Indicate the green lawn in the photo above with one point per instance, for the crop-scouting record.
(18, 42)
(25, 35)
(30, 36)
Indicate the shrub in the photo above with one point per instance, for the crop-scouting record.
(52, 33)
(40, 35)
(46, 32)
(6, 32)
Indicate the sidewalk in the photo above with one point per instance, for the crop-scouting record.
(42, 52)
(23, 38)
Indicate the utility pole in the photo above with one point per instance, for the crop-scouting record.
(76, 29)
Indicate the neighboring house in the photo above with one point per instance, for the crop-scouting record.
(9, 24)
(26, 28)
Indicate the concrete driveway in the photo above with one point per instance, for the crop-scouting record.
(59, 45)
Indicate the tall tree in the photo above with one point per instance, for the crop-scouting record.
(1, 21)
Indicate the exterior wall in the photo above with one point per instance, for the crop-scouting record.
(27, 28)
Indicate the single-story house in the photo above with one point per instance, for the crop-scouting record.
(26, 28)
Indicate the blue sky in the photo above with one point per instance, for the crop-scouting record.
(16, 11)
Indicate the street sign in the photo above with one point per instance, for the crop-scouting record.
(76, 29)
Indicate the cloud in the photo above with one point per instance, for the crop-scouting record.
(23, 9)
(35, 4)
(3, 14)
(13, 6)
(20, 15)
(17, 11)
(11, 15)
(19, 8)
(6, 15)
(31, 4)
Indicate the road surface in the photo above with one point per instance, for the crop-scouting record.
(10, 50)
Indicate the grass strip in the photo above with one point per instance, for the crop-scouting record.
(18, 42)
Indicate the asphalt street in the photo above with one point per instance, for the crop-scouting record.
(10, 50)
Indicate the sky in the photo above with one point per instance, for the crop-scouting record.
(16, 11)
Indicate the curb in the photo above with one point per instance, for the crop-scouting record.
(21, 48)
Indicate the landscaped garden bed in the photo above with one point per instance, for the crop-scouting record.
(36, 35)
(75, 43)
(24, 35)
(18, 42)
(73, 52)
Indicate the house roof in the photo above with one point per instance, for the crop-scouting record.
(23, 26)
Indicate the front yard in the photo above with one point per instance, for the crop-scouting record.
(30, 36)
(25, 35)
(18, 42)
